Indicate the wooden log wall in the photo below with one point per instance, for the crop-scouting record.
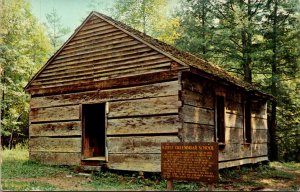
(139, 119)
(137, 127)
(197, 114)
(102, 63)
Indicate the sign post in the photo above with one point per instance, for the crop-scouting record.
(197, 161)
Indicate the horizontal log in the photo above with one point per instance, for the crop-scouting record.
(234, 135)
(138, 144)
(132, 70)
(138, 71)
(149, 106)
(104, 84)
(56, 129)
(259, 149)
(235, 163)
(145, 91)
(233, 120)
(258, 123)
(47, 144)
(196, 99)
(134, 162)
(143, 125)
(233, 151)
(192, 83)
(259, 135)
(197, 133)
(55, 158)
(54, 113)
(192, 114)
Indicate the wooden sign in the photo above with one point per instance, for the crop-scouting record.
(190, 161)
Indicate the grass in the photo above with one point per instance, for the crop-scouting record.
(119, 181)
(16, 165)
(26, 186)
(19, 173)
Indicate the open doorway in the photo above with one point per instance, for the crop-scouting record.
(93, 131)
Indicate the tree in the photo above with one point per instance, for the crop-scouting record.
(196, 28)
(55, 29)
(226, 32)
(282, 34)
(259, 41)
(147, 16)
(23, 49)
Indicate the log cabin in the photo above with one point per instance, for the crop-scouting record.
(111, 94)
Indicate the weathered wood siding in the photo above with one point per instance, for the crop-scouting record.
(197, 110)
(101, 63)
(197, 115)
(100, 51)
(139, 118)
(136, 128)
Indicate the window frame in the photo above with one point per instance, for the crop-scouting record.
(247, 122)
(220, 124)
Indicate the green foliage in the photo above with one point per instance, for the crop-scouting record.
(148, 16)
(281, 67)
(257, 43)
(56, 30)
(23, 49)
(196, 28)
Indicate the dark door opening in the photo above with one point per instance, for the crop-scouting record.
(93, 130)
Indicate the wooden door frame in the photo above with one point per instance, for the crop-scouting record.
(83, 128)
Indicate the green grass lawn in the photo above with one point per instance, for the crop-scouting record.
(17, 166)
(19, 173)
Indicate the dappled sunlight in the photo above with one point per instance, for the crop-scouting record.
(20, 153)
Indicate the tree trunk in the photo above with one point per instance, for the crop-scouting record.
(203, 28)
(246, 47)
(144, 15)
(273, 156)
(246, 62)
(273, 122)
(10, 140)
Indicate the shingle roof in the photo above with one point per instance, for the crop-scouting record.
(186, 57)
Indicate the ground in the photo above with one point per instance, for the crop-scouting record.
(18, 173)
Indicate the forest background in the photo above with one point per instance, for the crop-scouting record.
(255, 40)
